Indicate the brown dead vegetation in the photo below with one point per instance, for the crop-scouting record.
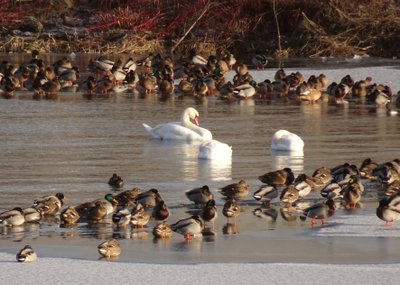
(297, 28)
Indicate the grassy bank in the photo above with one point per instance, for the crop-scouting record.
(297, 28)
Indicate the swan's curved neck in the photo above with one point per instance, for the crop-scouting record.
(186, 122)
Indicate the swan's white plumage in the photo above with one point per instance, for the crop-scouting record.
(183, 130)
(215, 150)
(284, 140)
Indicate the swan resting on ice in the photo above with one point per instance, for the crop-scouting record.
(214, 149)
(285, 140)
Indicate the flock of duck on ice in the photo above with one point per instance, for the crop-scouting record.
(200, 77)
(195, 76)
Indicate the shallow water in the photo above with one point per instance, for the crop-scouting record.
(73, 145)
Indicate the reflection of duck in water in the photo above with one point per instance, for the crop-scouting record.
(266, 213)
(319, 211)
(289, 214)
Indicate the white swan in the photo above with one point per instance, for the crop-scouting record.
(183, 130)
(284, 140)
(215, 150)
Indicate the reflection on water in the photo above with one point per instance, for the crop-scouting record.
(291, 159)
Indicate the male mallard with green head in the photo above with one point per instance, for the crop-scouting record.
(27, 254)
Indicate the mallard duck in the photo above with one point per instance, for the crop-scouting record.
(49, 205)
(108, 202)
(367, 167)
(322, 176)
(32, 214)
(166, 86)
(303, 188)
(186, 87)
(13, 218)
(230, 59)
(139, 216)
(148, 83)
(200, 195)
(122, 217)
(246, 90)
(109, 248)
(392, 189)
(89, 85)
(149, 199)
(10, 84)
(189, 227)
(116, 181)
(289, 195)
(352, 192)
(279, 177)
(266, 193)
(332, 191)
(162, 230)
(342, 173)
(97, 211)
(389, 209)
(100, 64)
(305, 93)
(104, 85)
(209, 212)
(320, 211)
(238, 190)
(161, 211)
(125, 197)
(69, 215)
(259, 61)
(196, 58)
(231, 209)
(27, 254)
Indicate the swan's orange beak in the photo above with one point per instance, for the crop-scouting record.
(196, 120)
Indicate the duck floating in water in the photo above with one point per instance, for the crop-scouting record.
(285, 140)
(183, 130)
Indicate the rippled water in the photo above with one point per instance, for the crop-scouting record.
(73, 145)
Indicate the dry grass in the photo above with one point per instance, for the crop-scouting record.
(309, 28)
